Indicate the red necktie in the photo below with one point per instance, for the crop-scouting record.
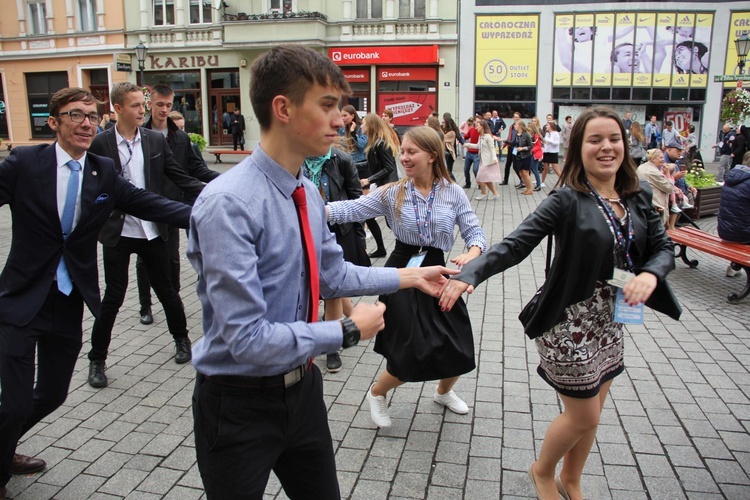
(300, 200)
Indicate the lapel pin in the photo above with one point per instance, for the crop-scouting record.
(93, 172)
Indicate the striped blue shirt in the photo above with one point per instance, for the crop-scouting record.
(450, 208)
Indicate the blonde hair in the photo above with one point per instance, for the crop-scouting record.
(175, 115)
(378, 130)
(654, 153)
(670, 168)
(533, 130)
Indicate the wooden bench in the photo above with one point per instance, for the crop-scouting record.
(219, 152)
(736, 253)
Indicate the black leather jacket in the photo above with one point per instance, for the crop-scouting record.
(583, 253)
(382, 165)
(343, 184)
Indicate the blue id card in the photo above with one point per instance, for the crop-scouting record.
(417, 259)
(627, 314)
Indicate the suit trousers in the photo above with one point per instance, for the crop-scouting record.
(242, 434)
(52, 340)
(116, 267)
(510, 162)
(141, 274)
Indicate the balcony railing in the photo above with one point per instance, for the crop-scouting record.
(275, 16)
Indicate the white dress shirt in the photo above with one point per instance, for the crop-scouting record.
(131, 159)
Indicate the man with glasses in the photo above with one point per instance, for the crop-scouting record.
(143, 157)
(60, 197)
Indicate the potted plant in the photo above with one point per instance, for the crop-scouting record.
(709, 192)
(735, 108)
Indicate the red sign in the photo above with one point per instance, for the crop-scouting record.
(410, 109)
(681, 120)
(357, 75)
(419, 54)
(407, 73)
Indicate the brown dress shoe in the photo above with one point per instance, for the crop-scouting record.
(26, 465)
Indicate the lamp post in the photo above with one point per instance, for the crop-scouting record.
(742, 45)
(140, 53)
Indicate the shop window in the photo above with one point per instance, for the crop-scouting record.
(369, 9)
(225, 79)
(503, 94)
(698, 95)
(187, 95)
(411, 8)
(37, 17)
(200, 12)
(641, 94)
(601, 93)
(86, 15)
(39, 89)
(660, 95)
(163, 12)
(679, 94)
(621, 94)
(561, 93)
(282, 6)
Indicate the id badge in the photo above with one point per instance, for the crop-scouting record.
(627, 314)
(515, 151)
(620, 277)
(417, 259)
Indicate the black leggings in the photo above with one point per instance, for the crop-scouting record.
(377, 234)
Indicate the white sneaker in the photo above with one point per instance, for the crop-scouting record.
(368, 234)
(451, 401)
(494, 196)
(378, 409)
(686, 205)
(731, 273)
(543, 185)
(675, 209)
(481, 197)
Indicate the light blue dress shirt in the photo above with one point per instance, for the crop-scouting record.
(246, 247)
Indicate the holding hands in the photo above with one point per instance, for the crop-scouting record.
(451, 291)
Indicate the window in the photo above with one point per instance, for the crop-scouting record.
(37, 17)
(200, 11)
(86, 15)
(369, 9)
(163, 12)
(411, 8)
(39, 89)
(284, 6)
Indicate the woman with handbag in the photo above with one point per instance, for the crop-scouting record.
(609, 242)
(522, 146)
(450, 134)
(420, 342)
(489, 168)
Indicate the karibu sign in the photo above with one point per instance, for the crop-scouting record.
(419, 54)
(409, 109)
(183, 62)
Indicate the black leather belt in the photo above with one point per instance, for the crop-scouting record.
(285, 380)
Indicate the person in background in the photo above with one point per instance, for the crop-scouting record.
(669, 136)
(725, 145)
(637, 143)
(420, 342)
(510, 160)
(662, 189)
(489, 167)
(741, 142)
(112, 120)
(566, 128)
(387, 116)
(497, 126)
(733, 219)
(597, 214)
(628, 122)
(523, 156)
(471, 154)
(434, 124)
(353, 140)
(179, 120)
(237, 128)
(692, 153)
(537, 154)
(551, 158)
(653, 134)
(381, 153)
(450, 133)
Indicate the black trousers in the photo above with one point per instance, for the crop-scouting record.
(116, 266)
(141, 274)
(47, 347)
(242, 434)
(510, 162)
(237, 140)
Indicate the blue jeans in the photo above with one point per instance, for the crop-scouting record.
(470, 158)
(535, 170)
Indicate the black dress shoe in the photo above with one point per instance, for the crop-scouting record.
(22, 465)
(377, 254)
(97, 378)
(520, 186)
(333, 362)
(146, 317)
(467, 186)
(184, 354)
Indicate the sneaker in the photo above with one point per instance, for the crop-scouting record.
(183, 352)
(551, 170)
(493, 197)
(686, 205)
(378, 409)
(675, 209)
(97, 378)
(543, 185)
(481, 197)
(451, 401)
(538, 188)
(520, 186)
(333, 362)
(731, 272)
(368, 234)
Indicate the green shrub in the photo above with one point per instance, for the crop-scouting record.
(697, 176)
(199, 140)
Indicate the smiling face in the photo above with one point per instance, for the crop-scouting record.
(625, 59)
(315, 122)
(582, 34)
(686, 59)
(74, 138)
(603, 150)
(417, 163)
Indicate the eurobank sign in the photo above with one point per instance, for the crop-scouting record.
(417, 54)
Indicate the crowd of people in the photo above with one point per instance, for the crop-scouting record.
(266, 256)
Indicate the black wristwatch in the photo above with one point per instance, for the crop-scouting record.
(351, 333)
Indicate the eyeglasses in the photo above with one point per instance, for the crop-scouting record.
(78, 116)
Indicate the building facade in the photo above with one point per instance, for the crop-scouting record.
(558, 56)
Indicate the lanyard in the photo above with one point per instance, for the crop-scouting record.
(423, 238)
(123, 172)
(621, 239)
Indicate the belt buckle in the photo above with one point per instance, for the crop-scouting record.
(292, 377)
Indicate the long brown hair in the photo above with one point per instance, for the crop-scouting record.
(637, 131)
(573, 174)
(429, 141)
(378, 130)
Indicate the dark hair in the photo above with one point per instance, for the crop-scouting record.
(70, 94)
(668, 123)
(572, 31)
(353, 111)
(433, 123)
(702, 49)
(691, 128)
(566, 118)
(486, 127)
(388, 112)
(162, 89)
(449, 124)
(573, 174)
(613, 56)
(290, 71)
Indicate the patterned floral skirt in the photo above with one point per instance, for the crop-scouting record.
(585, 349)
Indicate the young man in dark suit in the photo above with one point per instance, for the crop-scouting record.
(192, 163)
(60, 197)
(237, 127)
(142, 157)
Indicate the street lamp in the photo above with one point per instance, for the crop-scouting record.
(743, 47)
(140, 54)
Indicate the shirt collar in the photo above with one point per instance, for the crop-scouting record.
(121, 139)
(63, 157)
(281, 178)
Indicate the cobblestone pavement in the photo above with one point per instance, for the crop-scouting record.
(675, 426)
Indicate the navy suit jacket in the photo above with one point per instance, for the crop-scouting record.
(158, 164)
(28, 184)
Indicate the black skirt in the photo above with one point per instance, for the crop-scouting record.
(420, 342)
(353, 244)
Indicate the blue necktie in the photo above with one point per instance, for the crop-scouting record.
(64, 283)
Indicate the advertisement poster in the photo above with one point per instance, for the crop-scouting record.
(645, 51)
(623, 52)
(506, 50)
(564, 24)
(603, 54)
(738, 24)
(582, 48)
(681, 120)
(410, 109)
(701, 49)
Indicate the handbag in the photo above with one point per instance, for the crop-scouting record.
(529, 310)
